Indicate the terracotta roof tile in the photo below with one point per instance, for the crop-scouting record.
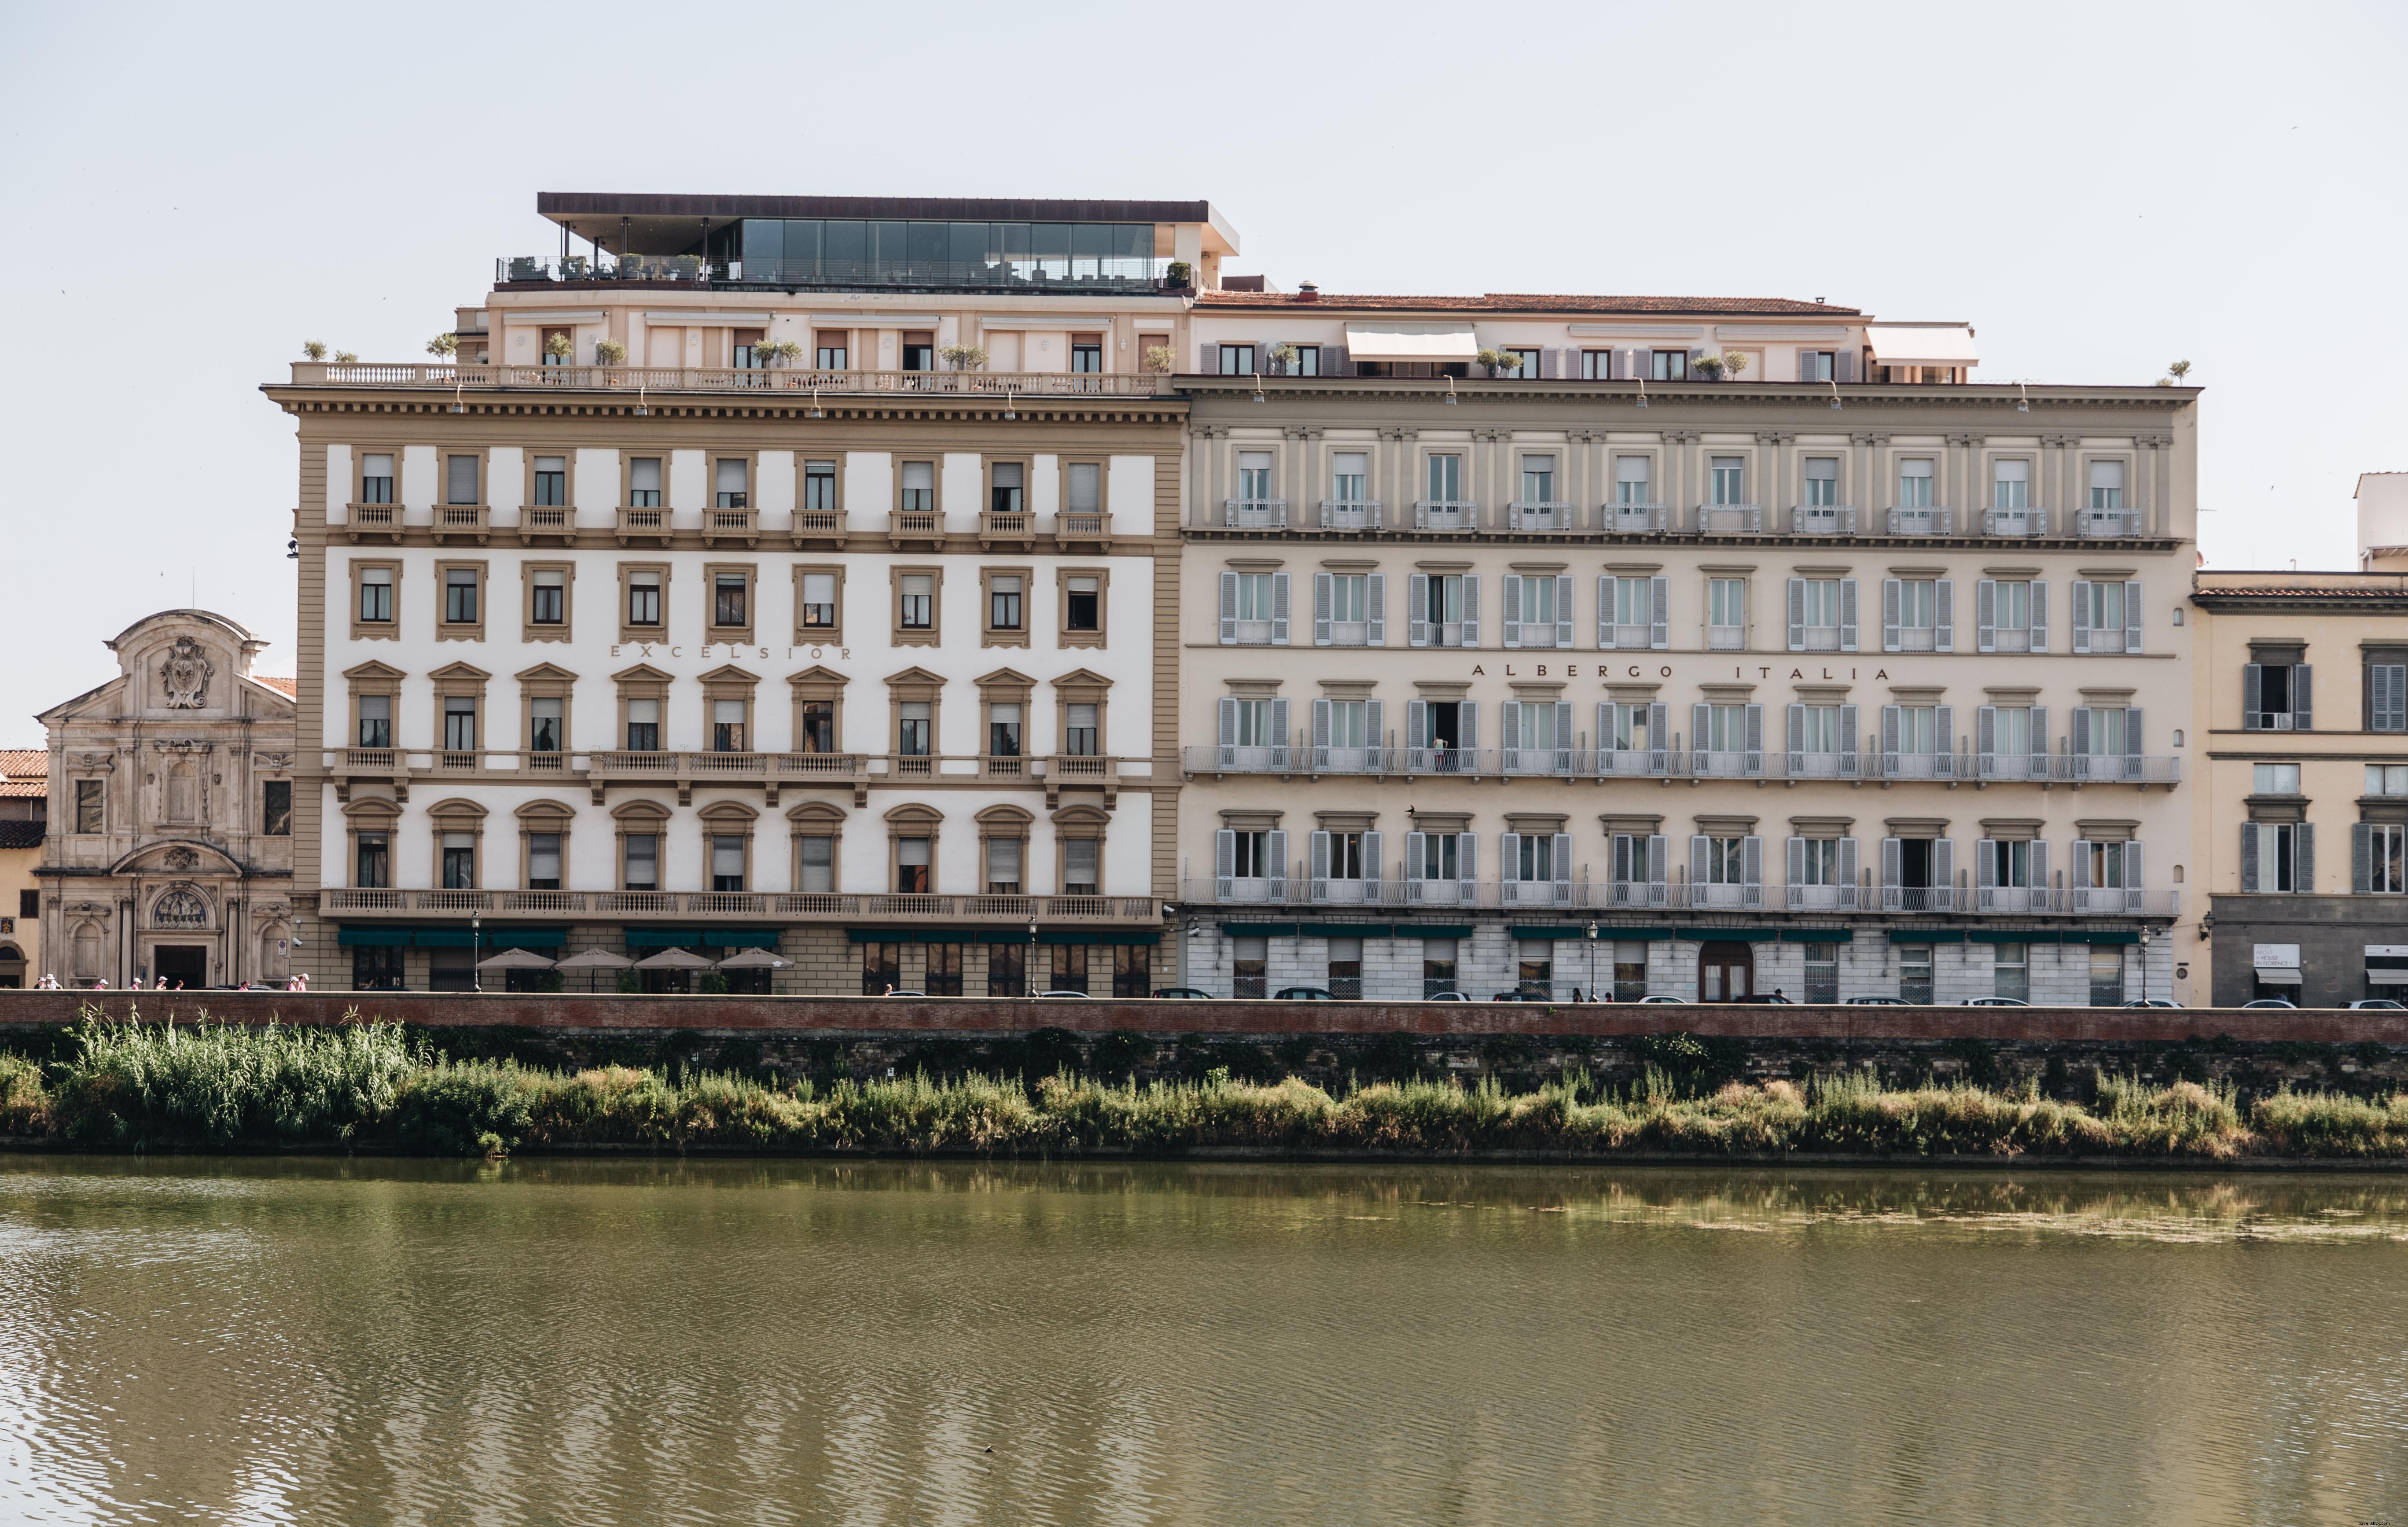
(18, 763)
(281, 684)
(1509, 302)
(15, 834)
(24, 789)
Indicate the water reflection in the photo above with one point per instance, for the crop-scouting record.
(695, 1341)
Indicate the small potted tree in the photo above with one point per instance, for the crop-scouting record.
(609, 352)
(444, 346)
(558, 349)
(1283, 358)
(963, 357)
(313, 350)
(1178, 275)
(1734, 361)
(1160, 358)
(1501, 363)
(1707, 368)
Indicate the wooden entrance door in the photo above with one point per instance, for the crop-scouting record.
(1725, 970)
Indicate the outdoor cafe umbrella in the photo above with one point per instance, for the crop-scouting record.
(673, 959)
(595, 959)
(753, 960)
(515, 959)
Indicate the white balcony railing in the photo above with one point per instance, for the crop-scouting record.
(1350, 514)
(1253, 513)
(1730, 519)
(751, 904)
(1663, 896)
(1445, 514)
(1922, 522)
(1538, 518)
(2102, 523)
(1823, 519)
(1634, 519)
(1726, 638)
(1919, 766)
(1820, 897)
(1716, 765)
(1821, 766)
(2029, 520)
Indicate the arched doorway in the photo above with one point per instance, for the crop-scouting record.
(1725, 970)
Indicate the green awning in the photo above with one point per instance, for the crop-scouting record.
(1652, 931)
(740, 938)
(890, 935)
(1433, 931)
(1926, 935)
(1545, 932)
(375, 938)
(525, 938)
(1346, 931)
(1818, 935)
(1259, 930)
(1100, 935)
(2011, 935)
(2103, 935)
(987, 935)
(1729, 935)
(446, 938)
(664, 938)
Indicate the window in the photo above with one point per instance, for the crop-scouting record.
(1237, 360)
(459, 724)
(919, 601)
(2106, 975)
(2274, 778)
(1250, 857)
(1069, 968)
(1822, 973)
(911, 866)
(1533, 607)
(1439, 617)
(1343, 619)
(1725, 613)
(1915, 973)
(376, 967)
(276, 808)
(1256, 608)
(1730, 479)
(1534, 967)
(2011, 965)
(1439, 958)
(1441, 858)
(375, 721)
(2103, 601)
(548, 596)
(1350, 477)
(1007, 970)
(1819, 731)
(1083, 484)
(1918, 608)
(2277, 857)
(1538, 480)
(459, 862)
(543, 861)
(1627, 612)
(747, 347)
(1083, 603)
(1078, 731)
(2380, 856)
(2106, 484)
(643, 599)
(1345, 723)
(1818, 365)
(559, 353)
(2011, 486)
(375, 594)
(544, 731)
(1914, 483)
(727, 726)
(1345, 978)
(817, 722)
(1003, 731)
(1596, 365)
(643, 861)
(920, 350)
(460, 479)
(644, 482)
(643, 725)
(1003, 602)
(2011, 732)
(460, 597)
(2386, 696)
(1525, 362)
(731, 482)
(1916, 728)
(2387, 779)
(1816, 610)
(1725, 861)
(550, 481)
(912, 725)
(1254, 476)
(727, 863)
(1533, 854)
(1630, 480)
(1822, 482)
(1669, 365)
(1817, 862)
(728, 601)
(1080, 867)
(1003, 866)
(818, 486)
(1726, 729)
(1006, 487)
(2275, 696)
(832, 347)
(919, 487)
(818, 607)
(1446, 479)
(942, 973)
(1307, 364)
(371, 862)
(882, 968)
(818, 864)
(2010, 615)
(1086, 353)
(376, 479)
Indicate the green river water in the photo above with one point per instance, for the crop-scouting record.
(248, 1340)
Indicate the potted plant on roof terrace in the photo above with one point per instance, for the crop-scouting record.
(1707, 368)
(963, 357)
(1283, 357)
(1501, 363)
(1160, 357)
(1178, 274)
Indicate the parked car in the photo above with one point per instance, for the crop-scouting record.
(1677, 1001)
(2008, 1002)
(2385, 1003)
(2272, 1001)
(907, 994)
(1762, 999)
(1446, 996)
(1518, 995)
(1302, 994)
(2154, 1002)
(1191, 994)
(1876, 1001)
(1080, 994)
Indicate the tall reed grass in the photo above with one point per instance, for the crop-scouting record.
(368, 1087)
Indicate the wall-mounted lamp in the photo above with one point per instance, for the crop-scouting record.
(643, 408)
(814, 412)
(1835, 397)
(1451, 399)
(1258, 386)
(1009, 413)
(1643, 392)
(2023, 398)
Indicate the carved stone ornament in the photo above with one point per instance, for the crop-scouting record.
(272, 760)
(182, 859)
(104, 763)
(180, 906)
(184, 673)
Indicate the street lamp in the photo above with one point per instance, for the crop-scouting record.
(1592, 959)
(476, 942)
(1030, 973)
(2145, 934)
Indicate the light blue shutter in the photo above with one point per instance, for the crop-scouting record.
(2132, 902)
(2132, 750)
(1563, 869)
(1985, 739)
(1798, 615)
(1229, 608)
(2040, 742)
(1319, 890)
(1699, 727)
(1796, 740)
(1605, 613)
(1563, 737)
(1848, 738)
(1509, 724)
(1796, 878)
(1416, 858)
(1472, 610)
(1371, 851)
(1751, 855)
(1321, 586)
(1985, 615)
(2303, 695)
(1228, 731)
(1417, 724)
(1509, 844)
(1467, 850)
(1417, 610)
(1944, 874)
(1943, 614)
(1848, 873)
(2132, 617)
(1564, 609)
(1944, 735)
(2039, 870)
(1659, 615)
(2249, 874)
(1225, 863)
(1375, 725)
(1848, 615)
(2039, 615)
(1755, 764)
(1281, 739)
(1658, 745)
(1279, 609)
(2082, 614)
(1890, 614)
(1467, 726)
(1375, 608)
(1512, 609)
(1275, 849)
(1891, 897)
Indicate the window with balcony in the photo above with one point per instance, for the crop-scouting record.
(816, 721)
(728, 728)
(1445, 478)
(912, 869)
(2106, 484)
(644, 599)
(1006, 487)
(1082, 866)
(1821, 862)
(2274, 778)
(459, 862)
(460, 473)
(1822, 482)
(460, 597)
(2275, 696)
(559, 346)
(376, 722)
(1631, 484)
(1250, 855)
(833, 350)
(919, 487)
(1079, 738)
(917, 602)
(372, 861)
(1728, 479)
(1003, 856)
(544, 723)
(1727, 870)
(2378, 853)
(376, 595)
(643, 725)
(459, 724)
(912, 728)
(1254, 476)
(543, 861)
(640, 862)
(1669, 365)
(376, 479)
(1003, 731)
(1914, 480)
(1531, 857)
(731, 482)
(1639, 871)
(727, 863)
(1086, 353)
(1349, 478)
(818, 486)
(2011, 484)
(1343, 855)
(1818, 365)
(550, 481)
(1237, 360)
(1913, 728)
(1440, 856)
(1445, 609)
(1523, 364)
(644, 482)
(817, 863)
(1538, 480)
(818, 608)
(919, 351)
(1726, 613)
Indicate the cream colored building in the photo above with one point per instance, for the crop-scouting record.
(1547, 672)
(169, 845)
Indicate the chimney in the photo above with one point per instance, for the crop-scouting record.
(1307, 292)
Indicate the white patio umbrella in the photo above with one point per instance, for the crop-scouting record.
(515, 959)
(673, 959)
(753, 960)
(595, 959)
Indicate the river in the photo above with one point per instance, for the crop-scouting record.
(250, 1340)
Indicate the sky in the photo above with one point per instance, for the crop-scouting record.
(2100, 189)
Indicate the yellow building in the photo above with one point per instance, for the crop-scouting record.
(24, 802)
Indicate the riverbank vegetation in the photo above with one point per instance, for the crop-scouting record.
(372, 1086)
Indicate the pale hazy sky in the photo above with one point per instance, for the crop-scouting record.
(191, 191)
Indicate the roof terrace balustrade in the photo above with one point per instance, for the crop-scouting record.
(640, 381)
(748, 905)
